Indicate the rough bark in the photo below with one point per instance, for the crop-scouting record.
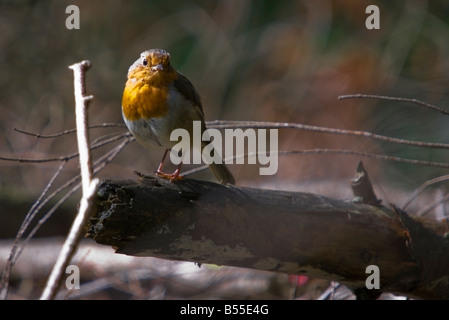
(290, 232)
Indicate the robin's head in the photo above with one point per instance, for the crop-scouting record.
(149, 80)
(151, 64)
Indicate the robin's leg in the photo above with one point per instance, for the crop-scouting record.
(174, 176)
(159, 169)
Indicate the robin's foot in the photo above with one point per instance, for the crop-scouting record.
(170, 176)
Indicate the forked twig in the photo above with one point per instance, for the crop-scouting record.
(89, 186)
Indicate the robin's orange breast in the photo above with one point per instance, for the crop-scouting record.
(145, 97)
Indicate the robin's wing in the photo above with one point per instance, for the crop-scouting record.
(186, 88)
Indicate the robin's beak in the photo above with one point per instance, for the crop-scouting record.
(158, 67)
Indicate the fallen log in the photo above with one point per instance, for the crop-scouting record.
(280, 231)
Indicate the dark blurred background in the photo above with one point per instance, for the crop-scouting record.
(269, 60)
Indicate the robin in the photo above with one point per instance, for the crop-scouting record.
(157, 99)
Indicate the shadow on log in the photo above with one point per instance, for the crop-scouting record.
(289, 232)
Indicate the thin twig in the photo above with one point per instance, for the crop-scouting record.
(94, 146)
(287, 125)
(65, 132)
(396, 99)
(425, 211)
(108, 157)
(421, 188)
(16, 247)
(374, 156)
(327, 151)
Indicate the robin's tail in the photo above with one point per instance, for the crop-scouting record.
(222, 173)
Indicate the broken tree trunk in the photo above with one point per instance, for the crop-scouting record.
(290, 232)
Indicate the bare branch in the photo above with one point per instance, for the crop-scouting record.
(218, 124)
(65, 132)
(432, 206)
(396, 99)
(89, 186)
(98, 144)
(426, 184)
(330, 151)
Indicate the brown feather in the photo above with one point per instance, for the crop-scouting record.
(186, 88)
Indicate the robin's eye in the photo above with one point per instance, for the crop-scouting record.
(144, 62)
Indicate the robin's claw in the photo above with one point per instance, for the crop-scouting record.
(170, 176)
